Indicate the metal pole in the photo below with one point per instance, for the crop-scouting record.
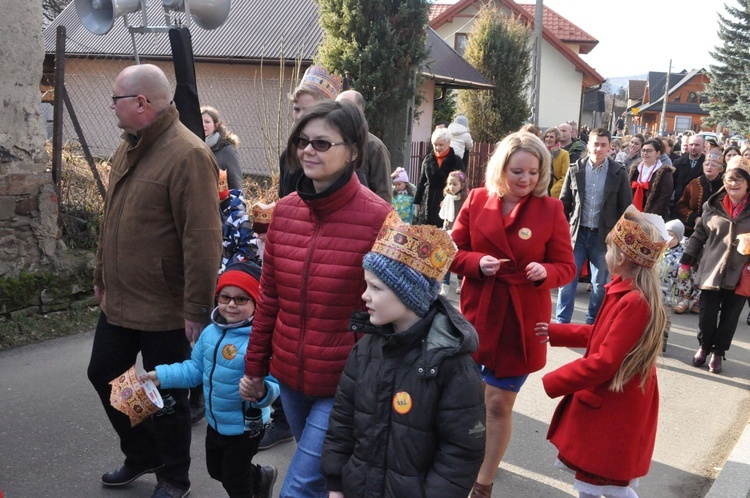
(663, 123)
(537, 69)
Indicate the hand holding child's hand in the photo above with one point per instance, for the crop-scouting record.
(542, 330)
(252, 389)
(150, 376)
(536, 272)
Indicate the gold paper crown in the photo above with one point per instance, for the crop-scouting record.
(425, 248)
(136, 400)
(262, 214)
(636, 244)
(319, 78)
(223, 185)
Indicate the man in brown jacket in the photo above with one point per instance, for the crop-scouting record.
(159, 251)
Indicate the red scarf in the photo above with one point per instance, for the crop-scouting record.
(441, 156)
(640, 186)
(734, 210)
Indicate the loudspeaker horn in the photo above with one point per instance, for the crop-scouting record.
(207, 14)
(98, 16)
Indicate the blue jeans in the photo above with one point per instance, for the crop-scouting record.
(308, 420)
(587, 246)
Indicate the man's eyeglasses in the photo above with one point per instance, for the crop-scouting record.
(115, 98)
(238, 300)
(319, 145)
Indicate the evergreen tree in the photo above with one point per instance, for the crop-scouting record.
(444, 109)
(499, 47)
(729, 87)
(381, 44)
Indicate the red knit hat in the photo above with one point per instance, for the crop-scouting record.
(243, 274)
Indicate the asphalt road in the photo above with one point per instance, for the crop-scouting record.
(55, 440)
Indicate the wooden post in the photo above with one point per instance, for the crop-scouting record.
(57, 117)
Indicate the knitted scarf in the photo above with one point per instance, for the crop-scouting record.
(440, 157)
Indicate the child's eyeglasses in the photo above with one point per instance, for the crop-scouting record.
(238, 300)
(317, 144)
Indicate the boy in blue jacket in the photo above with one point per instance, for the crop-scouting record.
(235, 427)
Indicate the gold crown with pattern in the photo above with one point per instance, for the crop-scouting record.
(262, 214)
(425, 248)
(636, 243)
(318, 77)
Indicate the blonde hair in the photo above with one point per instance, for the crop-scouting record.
(224, 132)
(640, 360)
(518, 141)
(554, 130)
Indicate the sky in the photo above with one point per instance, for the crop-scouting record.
(638, 36)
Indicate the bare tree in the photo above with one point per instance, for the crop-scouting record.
(51, 9)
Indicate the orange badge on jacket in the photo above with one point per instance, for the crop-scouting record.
(402, 403)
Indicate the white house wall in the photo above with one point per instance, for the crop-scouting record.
(422, 126)
(560, 94)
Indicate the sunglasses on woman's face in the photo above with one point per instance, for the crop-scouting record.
(317, 144)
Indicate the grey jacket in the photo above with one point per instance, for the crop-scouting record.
(617, 197)
(715, 236)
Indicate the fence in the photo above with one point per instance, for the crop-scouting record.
(478, 158)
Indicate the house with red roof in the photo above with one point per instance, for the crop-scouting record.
(565, 76)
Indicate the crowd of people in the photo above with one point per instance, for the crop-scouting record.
(323, 317)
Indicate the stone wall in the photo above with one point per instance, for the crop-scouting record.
(30, 247)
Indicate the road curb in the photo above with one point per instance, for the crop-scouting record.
(734, 478)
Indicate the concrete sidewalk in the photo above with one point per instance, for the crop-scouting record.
(734, 479)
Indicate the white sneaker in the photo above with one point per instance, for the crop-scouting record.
(444, 288)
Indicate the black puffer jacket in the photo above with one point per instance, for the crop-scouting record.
(409, 416)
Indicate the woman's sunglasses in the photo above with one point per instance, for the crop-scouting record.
(317, 144)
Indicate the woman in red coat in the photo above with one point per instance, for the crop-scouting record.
(605, 426)
(513, 248)
(312, 281)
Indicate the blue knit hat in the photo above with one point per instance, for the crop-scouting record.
(411, 261)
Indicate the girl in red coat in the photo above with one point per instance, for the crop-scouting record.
(605, 426)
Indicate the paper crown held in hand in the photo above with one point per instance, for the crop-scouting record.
(138, 400)
(424, 248)
(318, 77)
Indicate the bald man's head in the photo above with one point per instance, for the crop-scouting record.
(148, 80)
(354, 97)
(142, 93)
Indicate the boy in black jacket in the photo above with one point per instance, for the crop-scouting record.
(409, 417)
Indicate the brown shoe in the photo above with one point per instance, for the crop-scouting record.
(714, 366)
(700, 357)
(481, 490)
